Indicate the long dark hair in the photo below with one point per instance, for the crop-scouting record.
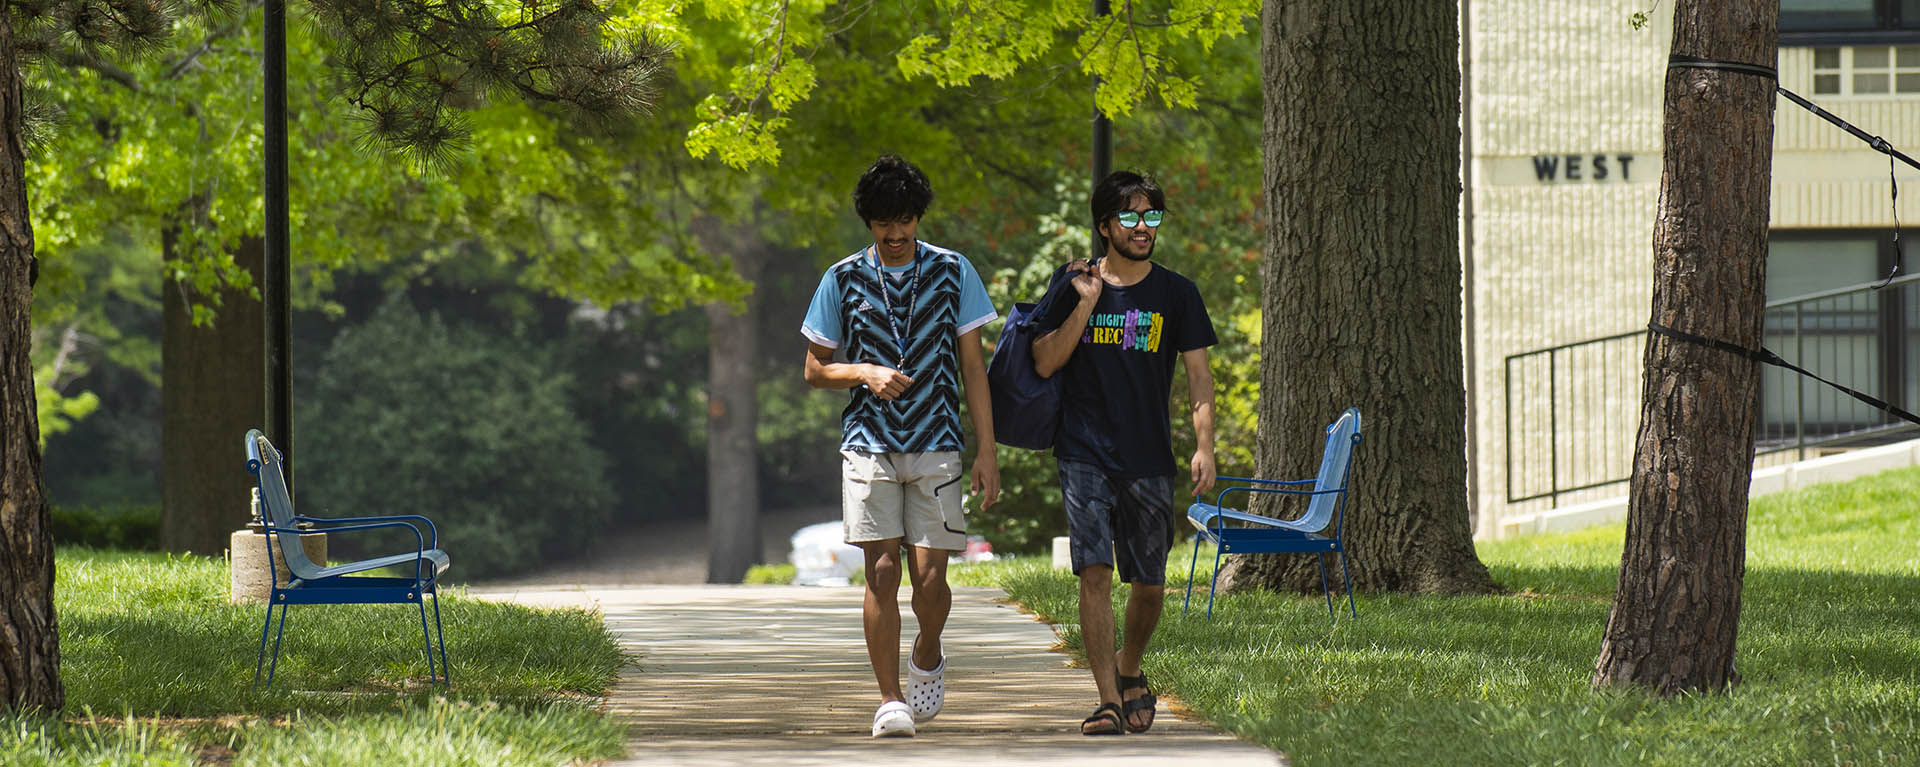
(1116, 190)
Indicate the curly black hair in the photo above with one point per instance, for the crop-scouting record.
(890, 190)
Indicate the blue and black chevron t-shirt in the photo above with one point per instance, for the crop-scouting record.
(849, 315)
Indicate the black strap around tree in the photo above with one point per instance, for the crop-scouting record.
(1878, 144)
(1764, 355)
(1678, 61)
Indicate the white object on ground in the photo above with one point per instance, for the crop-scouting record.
(893, 720)
(822, 557)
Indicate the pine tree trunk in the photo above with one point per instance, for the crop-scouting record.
(1362, 285)
(1676, 612)
(29, 632)
(214, 391)
(733, 416)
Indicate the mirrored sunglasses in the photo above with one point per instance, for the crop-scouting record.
(1131, 219)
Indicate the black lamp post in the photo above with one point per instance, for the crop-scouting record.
(1102, 133)
(275, 293)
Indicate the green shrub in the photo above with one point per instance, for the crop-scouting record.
(130, 527)
(777, 575)
(412, 415)
(783, 574)
(1028, 514)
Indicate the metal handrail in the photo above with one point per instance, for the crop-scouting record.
(1574, 421)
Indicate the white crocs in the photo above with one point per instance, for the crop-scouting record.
(893, 720)
(926, 690)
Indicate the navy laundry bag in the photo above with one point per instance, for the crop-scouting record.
(1026, 407)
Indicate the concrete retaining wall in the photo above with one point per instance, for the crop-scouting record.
(1771, 479)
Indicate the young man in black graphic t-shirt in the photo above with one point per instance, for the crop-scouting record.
(1115, 349)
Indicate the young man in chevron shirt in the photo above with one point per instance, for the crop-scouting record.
(898, 322)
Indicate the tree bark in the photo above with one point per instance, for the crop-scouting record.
(733, 415)
(1676, 611)
(214, 391)
(29, 631)
(1361, 284)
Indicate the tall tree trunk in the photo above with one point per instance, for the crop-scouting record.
(29, 632)
(214, 391)
(733, 415)
(1362, 284)
(1676, 612)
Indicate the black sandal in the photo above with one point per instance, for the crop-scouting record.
(1109, 714)
(1146, 702)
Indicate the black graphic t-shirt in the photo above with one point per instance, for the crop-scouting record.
(1116, 386)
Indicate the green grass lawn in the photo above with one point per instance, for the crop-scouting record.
(158, 666)
(1829, 653)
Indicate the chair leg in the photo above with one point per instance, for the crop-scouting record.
(426, 635)
(1324, 588)
(1191, 561)
(277, 636)
(260, 661)
(440, 634)
(1348, 577)
(1215, 585)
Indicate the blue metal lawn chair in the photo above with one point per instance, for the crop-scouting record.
(1308, 534)
(311, 584)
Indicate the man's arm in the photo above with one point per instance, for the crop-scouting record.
(1051, 351)
(1200, 394)
(823, 373)
(986, 458)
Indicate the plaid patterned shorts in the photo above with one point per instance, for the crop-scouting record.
(1126, 524)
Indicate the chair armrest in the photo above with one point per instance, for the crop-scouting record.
(433, 533)
(418, 543)
(1219, 499)
(419, 547)
(1259, 481)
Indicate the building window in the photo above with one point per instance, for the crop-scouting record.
(1866, 70)
(1814, 22)
(1827, 72)
(1827, 313)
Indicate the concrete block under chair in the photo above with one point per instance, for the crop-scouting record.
(247, 562)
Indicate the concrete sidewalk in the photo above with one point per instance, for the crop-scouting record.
(778, 675)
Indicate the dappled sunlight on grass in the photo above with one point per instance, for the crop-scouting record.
(151, 641)
(1829, 652)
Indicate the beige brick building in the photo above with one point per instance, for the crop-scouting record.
(1562, 120)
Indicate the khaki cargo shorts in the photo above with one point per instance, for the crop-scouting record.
(915, 496)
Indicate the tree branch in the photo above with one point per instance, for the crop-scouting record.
(69, 340)
(89, 61)
(206, 46)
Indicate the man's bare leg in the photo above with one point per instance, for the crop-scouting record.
(881, 617)
(1096, 631)
(1144, 606)
(932, 602)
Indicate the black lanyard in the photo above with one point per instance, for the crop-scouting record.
(913, 297)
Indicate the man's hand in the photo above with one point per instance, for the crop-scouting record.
(885, 382)
(986, 478)
(1086, 279)
(1203, 471)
